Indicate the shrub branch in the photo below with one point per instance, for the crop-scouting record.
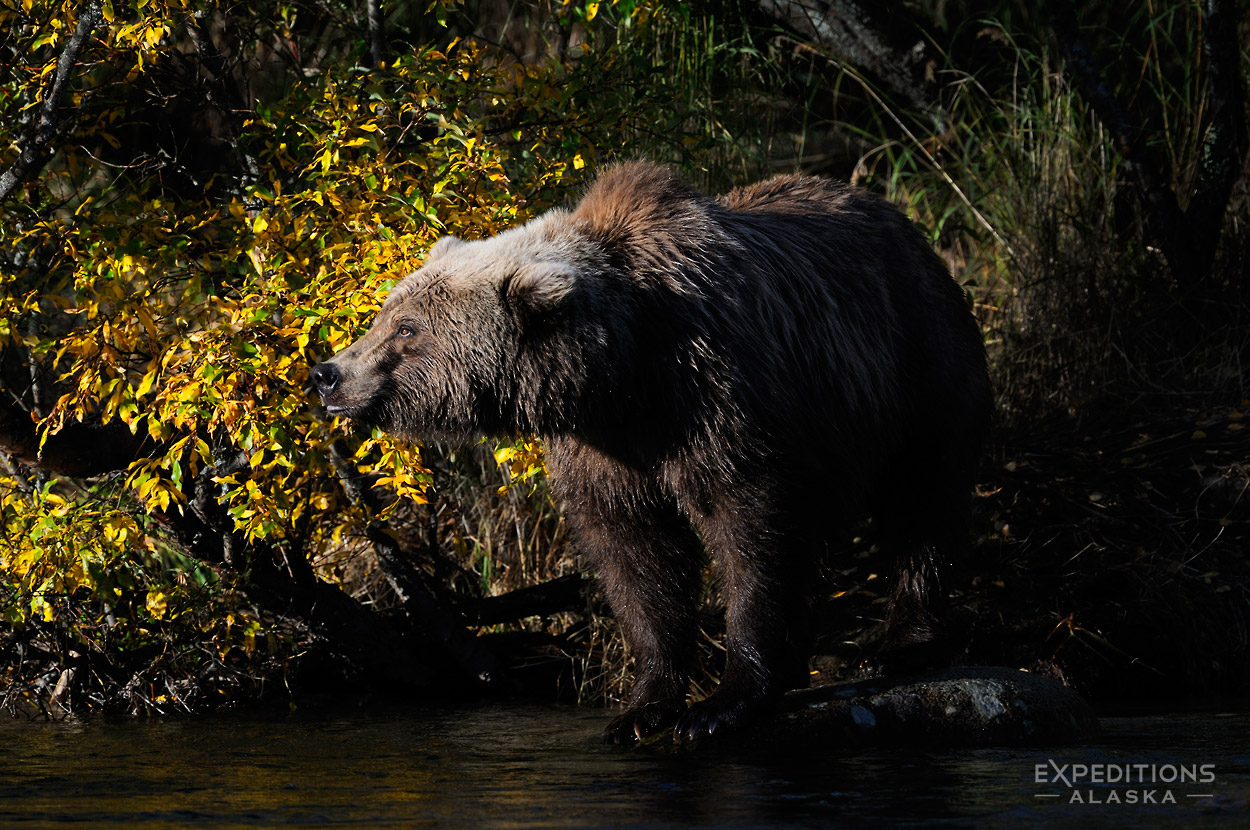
(34, 154)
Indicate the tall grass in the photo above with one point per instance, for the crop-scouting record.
(1038, 216)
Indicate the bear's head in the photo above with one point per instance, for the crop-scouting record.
(482, 339)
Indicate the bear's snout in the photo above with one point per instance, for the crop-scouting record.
(326, 377)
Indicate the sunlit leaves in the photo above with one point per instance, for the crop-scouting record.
(523, 460)
(55, 547)
(192, 311)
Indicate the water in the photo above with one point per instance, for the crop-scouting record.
(528, 767)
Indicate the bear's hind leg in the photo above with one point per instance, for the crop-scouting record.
(926, 529)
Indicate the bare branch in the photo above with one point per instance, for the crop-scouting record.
(78, 450)
(564, 593)
(34, 153)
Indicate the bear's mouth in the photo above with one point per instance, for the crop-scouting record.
(364, 412)
(342, 409)
(340, 402)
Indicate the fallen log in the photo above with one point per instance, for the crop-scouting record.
(968, 706)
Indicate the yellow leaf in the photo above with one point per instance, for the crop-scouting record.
(149, 324)
(157, 603)
(145, 385)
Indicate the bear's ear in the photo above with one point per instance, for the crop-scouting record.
(442, 246)
(539, 287)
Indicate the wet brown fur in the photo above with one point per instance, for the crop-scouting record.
(743, 376)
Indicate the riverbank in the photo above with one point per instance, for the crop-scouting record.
(1111, 554)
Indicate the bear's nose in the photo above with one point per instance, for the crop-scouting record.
(326, 376)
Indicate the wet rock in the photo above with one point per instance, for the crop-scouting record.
(965, 706)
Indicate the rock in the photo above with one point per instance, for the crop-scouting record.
(965, 706)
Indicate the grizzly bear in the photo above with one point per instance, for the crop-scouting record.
(745, 376)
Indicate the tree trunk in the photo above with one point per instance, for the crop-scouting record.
(377, 31)
(875, 38)
(1189, 238)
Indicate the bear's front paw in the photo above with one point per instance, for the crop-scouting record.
(717, 712)
(642, 722)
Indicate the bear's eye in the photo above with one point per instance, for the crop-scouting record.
(404, 330)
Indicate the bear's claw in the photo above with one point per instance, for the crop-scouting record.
(640, 723)
(717, 712)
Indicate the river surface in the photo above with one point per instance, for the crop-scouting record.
(532, 767)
